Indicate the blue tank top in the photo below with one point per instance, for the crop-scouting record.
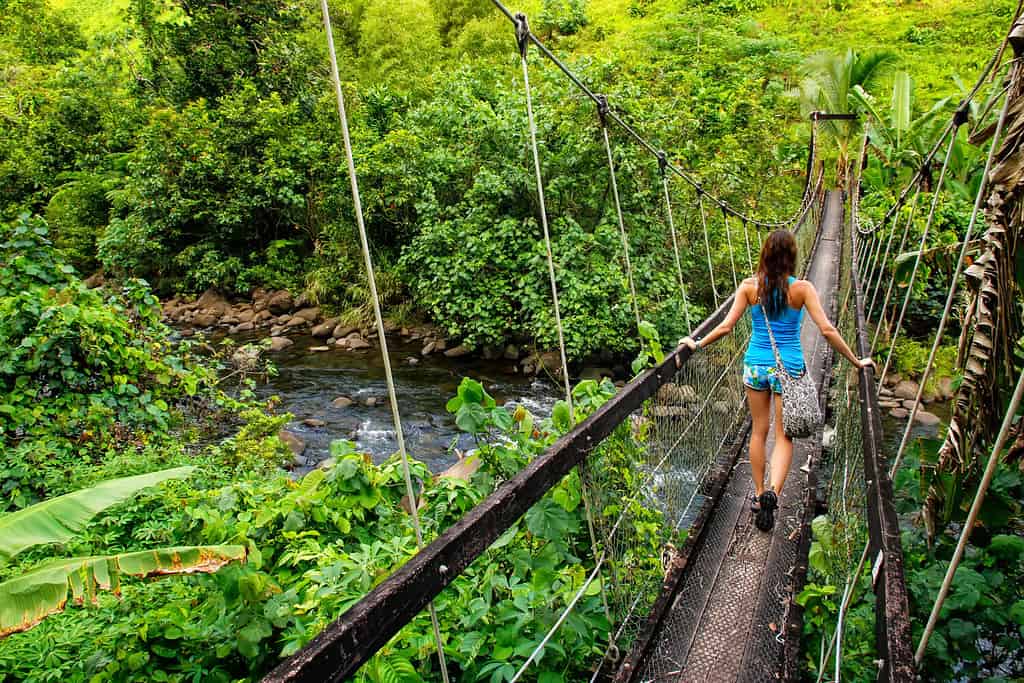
(786, 329)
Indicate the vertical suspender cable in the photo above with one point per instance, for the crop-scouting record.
(952, 287)
(732, 260)
(707, 245)
(522, 37)
(875, 277)
(746, 238)
(920, 251)
(662, 164)
(602, 109)
(892, 280)
(522, 28)
(972, 518)
(368, 261)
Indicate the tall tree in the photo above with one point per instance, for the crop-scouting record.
(830, 83)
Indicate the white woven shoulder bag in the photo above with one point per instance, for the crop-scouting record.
(801, 410)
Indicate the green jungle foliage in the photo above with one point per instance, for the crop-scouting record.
(196, 145)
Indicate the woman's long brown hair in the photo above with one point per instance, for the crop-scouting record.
(778, 262)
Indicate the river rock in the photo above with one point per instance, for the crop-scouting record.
(370, 402)
(295, 321)
(95, 280)
(669, 411)
(413, 360)
(280, 343)
(297, 445)
(390, 327)
(676, 393)
(909, 405)
(245, 327)
(276, 330)
(596, 374)
(428, 348)
(308, 314)
(263, 316)
(245, 315)
(463, 470)
(511, 352)
(887, 404)
(313, 422)
(325, 329)
(899, 413)
(229, 320)
(893, 379)
(342, 330)
(945, 386)
(279, 302)
(926, 418)
(204, 319)
(552, 362)
(342, 402)
(214, 302)
(458, 351)
(906, 390)
(319, 349)
(356, 343)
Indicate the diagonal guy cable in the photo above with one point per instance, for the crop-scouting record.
(603, 110)
(410, 491)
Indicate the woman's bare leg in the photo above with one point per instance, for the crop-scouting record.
(760, 413)
(782, 453)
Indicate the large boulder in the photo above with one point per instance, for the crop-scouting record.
(342, 330)
(906, 390)
(308, 314)
(294, 443)
(324, 329)
(213, 302)
(926, 418)
(280, 302)
(280, 343)
(458, 351)
(205, 319)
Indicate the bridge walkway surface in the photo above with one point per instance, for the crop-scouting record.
(730, 618)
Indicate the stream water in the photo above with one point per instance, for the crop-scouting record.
(308, 382)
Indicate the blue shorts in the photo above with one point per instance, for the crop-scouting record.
(761, 378)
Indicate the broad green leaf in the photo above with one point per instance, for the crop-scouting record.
(31, 597)
(58, 520)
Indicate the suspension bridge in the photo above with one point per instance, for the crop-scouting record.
(718, 604)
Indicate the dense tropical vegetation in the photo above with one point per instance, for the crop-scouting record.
(176, 147)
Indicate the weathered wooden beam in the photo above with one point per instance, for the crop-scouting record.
(340, 649)
(892, 608)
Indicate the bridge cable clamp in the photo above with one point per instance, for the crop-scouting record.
(522, 33)
(662, 163)
(962, 114)
(603, 109)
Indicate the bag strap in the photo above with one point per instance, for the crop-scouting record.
(775, 348)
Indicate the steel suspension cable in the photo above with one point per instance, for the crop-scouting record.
(875, 277)
(920, 252)
(371, 278)
(732, 259)
(972, 517)
(603, 113)
(662, 163)
(522, 31)
(746, 238)
(707, 246)
(892, 280)
(1001, 123)
(617, 118)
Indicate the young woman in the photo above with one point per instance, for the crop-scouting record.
(777, 293)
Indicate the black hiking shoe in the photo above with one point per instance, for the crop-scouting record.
(765, 518)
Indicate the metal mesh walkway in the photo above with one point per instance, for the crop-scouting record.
(728, 619)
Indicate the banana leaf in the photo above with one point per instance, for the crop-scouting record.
(58, 519)
(31, 597)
